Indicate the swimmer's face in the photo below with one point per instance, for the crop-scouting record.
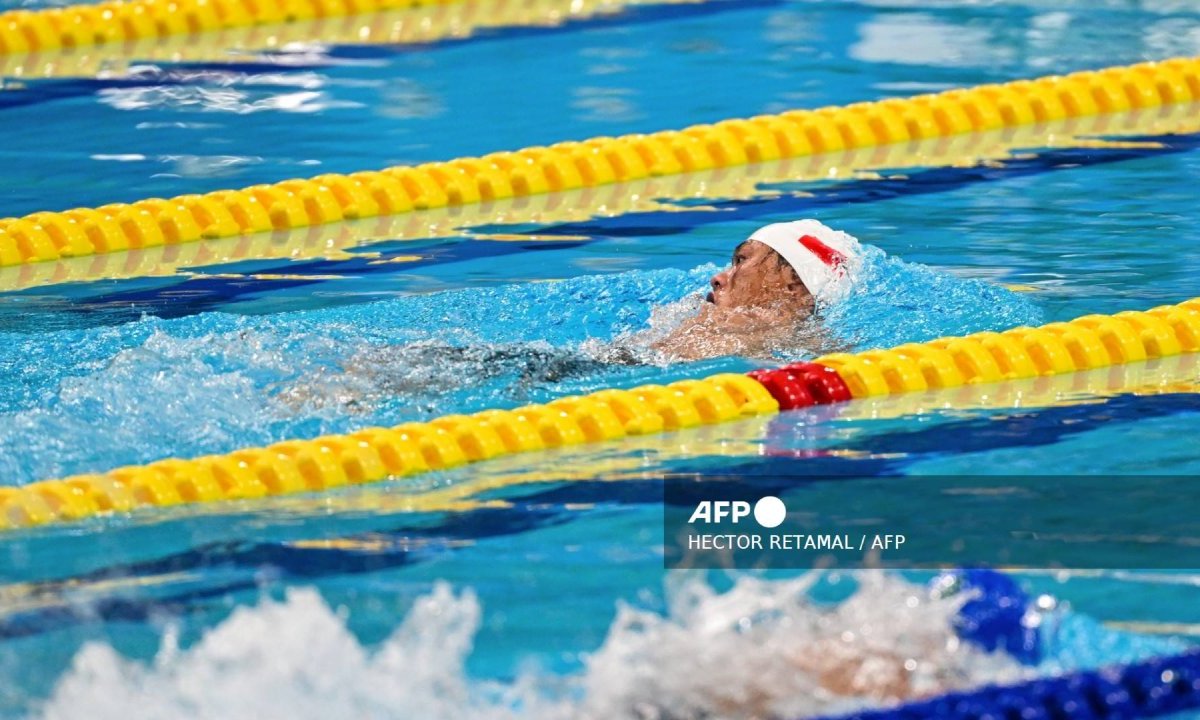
(759, 278)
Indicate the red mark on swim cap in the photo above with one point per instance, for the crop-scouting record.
(824, 253)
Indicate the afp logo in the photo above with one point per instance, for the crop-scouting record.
(769, 511)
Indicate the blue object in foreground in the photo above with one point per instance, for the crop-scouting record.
(1152, 688)
(995, 618)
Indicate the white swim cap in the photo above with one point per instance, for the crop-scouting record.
(824, 259)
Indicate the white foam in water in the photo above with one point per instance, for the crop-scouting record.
(293, 659)
(163, 392)
(764, 649)
(761, 649)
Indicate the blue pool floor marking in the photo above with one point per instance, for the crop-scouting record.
(546, 506)
(182, 295)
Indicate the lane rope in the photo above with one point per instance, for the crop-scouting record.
(424, 23)
(116, 21)
(648, 194)
(377, 454)
(330, 198)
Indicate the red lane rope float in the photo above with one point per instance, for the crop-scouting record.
(803, 384)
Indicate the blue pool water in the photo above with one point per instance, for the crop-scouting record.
(555, 605)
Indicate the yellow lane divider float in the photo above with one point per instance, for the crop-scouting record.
(115, 21)
(644, 195)
(329, 198)
(376, 454)
(421, 24)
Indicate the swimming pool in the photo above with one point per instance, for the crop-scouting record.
(148, 361)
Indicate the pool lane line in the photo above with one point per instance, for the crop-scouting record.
(1159, 388)
(116, 21)
(600, 161)
(113, 22)
(1088, 342)
(447, 516)
(377, 454)
(348, 37)
(456, 515)
(557, 210)
(1148, 688)
(204, 291)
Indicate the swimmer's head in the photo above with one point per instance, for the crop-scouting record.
(787, 264)
(760, 278)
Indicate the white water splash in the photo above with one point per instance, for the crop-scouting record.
(761, 649)
(764, 649)
(292, 659)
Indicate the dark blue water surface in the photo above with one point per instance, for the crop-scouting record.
(513, 306)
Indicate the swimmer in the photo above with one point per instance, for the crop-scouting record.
(766, 299)
(763, 304)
